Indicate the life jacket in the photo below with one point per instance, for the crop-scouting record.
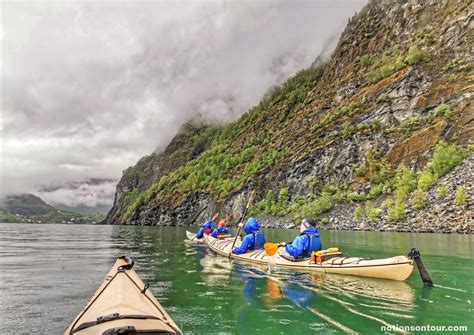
(208, 231)
(314, 244)
(258, 239)
(222, 231)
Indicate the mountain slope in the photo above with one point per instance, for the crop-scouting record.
(399, 81)
(31, 208)
(25, 204)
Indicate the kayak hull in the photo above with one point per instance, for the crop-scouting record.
(121, 294)
(190, 236)
(394, 268)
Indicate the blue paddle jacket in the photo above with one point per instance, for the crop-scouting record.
(220, 230)
(301, 246)
(205, 225)
(253, 240)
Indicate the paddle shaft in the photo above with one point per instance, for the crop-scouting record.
(241, 219)
(195, 217)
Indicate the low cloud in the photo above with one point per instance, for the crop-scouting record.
(90, 193)
(90, 87)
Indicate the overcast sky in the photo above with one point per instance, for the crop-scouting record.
(90, 87)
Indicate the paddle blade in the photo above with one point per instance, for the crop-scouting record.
(215, 217)
(270, 248)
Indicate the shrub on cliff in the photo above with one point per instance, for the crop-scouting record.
(443, 110)
(460, 198)
(372, 212)
(313, 208)
(414, 56)
(396, 209)
(418, 199)
(405, 182)
(446, 157)
(426, 179)
(358, 215)
(442, 192)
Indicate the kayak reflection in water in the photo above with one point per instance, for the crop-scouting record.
(273, 292)
(206, 228)
(304, 244)
(220, 230)
(254, 240)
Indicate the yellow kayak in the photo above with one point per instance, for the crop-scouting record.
(123, 305)
(395, 268)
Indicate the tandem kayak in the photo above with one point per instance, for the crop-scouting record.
(123, 305)
(395, 268)
(190, 236)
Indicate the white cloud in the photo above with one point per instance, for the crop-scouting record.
(80, 193)
(89, 87)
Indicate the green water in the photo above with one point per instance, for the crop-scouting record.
(50, 271)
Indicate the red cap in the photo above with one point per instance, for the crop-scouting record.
(222, 223)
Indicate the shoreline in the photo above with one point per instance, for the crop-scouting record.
(293, 226)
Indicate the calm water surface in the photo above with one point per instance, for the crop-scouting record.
(48, 273)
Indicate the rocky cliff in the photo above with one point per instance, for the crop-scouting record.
(359, 141)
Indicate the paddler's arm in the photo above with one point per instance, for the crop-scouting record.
(296, 248)
(200, 233)
(215, 232)
(246, 242)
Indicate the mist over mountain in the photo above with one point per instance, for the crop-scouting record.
(88, 196)
(90, 87)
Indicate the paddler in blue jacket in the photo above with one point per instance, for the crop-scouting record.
(255, 238)
(304, 244)
(206, 229)
(220, 230)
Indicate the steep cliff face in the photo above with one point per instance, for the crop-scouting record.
(150, 169)
(339, 134)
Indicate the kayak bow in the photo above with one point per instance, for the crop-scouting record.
(191, 236)
(123, 305)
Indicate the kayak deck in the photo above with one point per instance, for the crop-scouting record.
(123, 301)
(395, 268)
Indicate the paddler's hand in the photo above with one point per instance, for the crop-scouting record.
(282, 244)
(241, 225)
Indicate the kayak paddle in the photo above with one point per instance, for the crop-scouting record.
(214, 218)
(229, 217)
(271, 248)
(240, 221)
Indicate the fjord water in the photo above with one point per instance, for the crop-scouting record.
(48, 273)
